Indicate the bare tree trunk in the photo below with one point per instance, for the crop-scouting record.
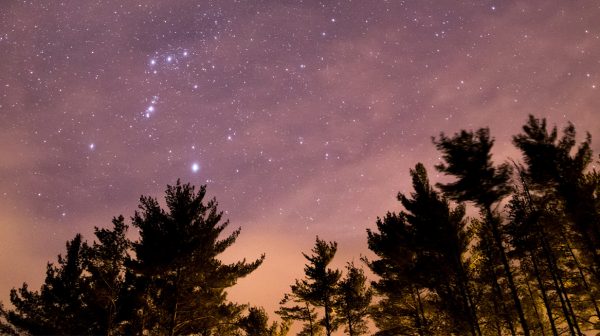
(175, 307)
(497, 290)
(507, 271)
(463, 285)
(327, 319)
(537, 314)
(583, 280)
(554, 274)
(310, 321)
(536, 272)
(417, 300)
(569, 306)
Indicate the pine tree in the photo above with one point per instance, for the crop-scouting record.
(107, 259)
(441, 241)
(62, 305)
(552, 169)
(421, 253)
(319, 287)
(562, 195)
(256, 323)
(181, 281)
(293, 308)
(467, 156)
(400, 309)
(6, 328)
(353, 300)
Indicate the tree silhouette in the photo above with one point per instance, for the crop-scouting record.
(562, 198)
(552, 169)
(353, 300)
(106, 266)
(441, 241)
(63, 304)
(319, 287)
(399, 310)
(530, 266)
(182, 281)
(299, 310)
(467, 156)
(421, 253)
(6, 328)
(256, 323)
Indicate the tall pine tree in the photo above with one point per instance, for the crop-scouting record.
(353, 301)
(63, 305)
(424, 282)
(467, 156)
(256, 323)
(399, 309)
(180, 278)
(318, 288)
(107, 258)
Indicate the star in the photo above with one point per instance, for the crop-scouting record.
(260, 96)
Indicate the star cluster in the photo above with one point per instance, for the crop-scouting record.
(302, 117)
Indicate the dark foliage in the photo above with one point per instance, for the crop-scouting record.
(183, 281)
(318, 288)
(528, 263)
(173, 284)
(353, 300)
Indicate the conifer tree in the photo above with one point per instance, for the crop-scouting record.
(563, 202)
(353, 300)
(107, 258)
(256, 323)
(180, 278)
(441, 240)
(293, 308)
(6, 328)
(552, 169)
(426, 244)
(467, 156)
(494, 304)
(319, 287)
(62, 306)
(400, 307)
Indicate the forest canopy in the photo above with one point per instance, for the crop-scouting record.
(527, 264)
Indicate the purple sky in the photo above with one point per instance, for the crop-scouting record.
(302, 117)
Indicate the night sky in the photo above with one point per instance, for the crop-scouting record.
(302, 117)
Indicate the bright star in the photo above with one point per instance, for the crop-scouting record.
(195, 167)
(92, 146)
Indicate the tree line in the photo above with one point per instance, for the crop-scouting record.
(527, 264)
